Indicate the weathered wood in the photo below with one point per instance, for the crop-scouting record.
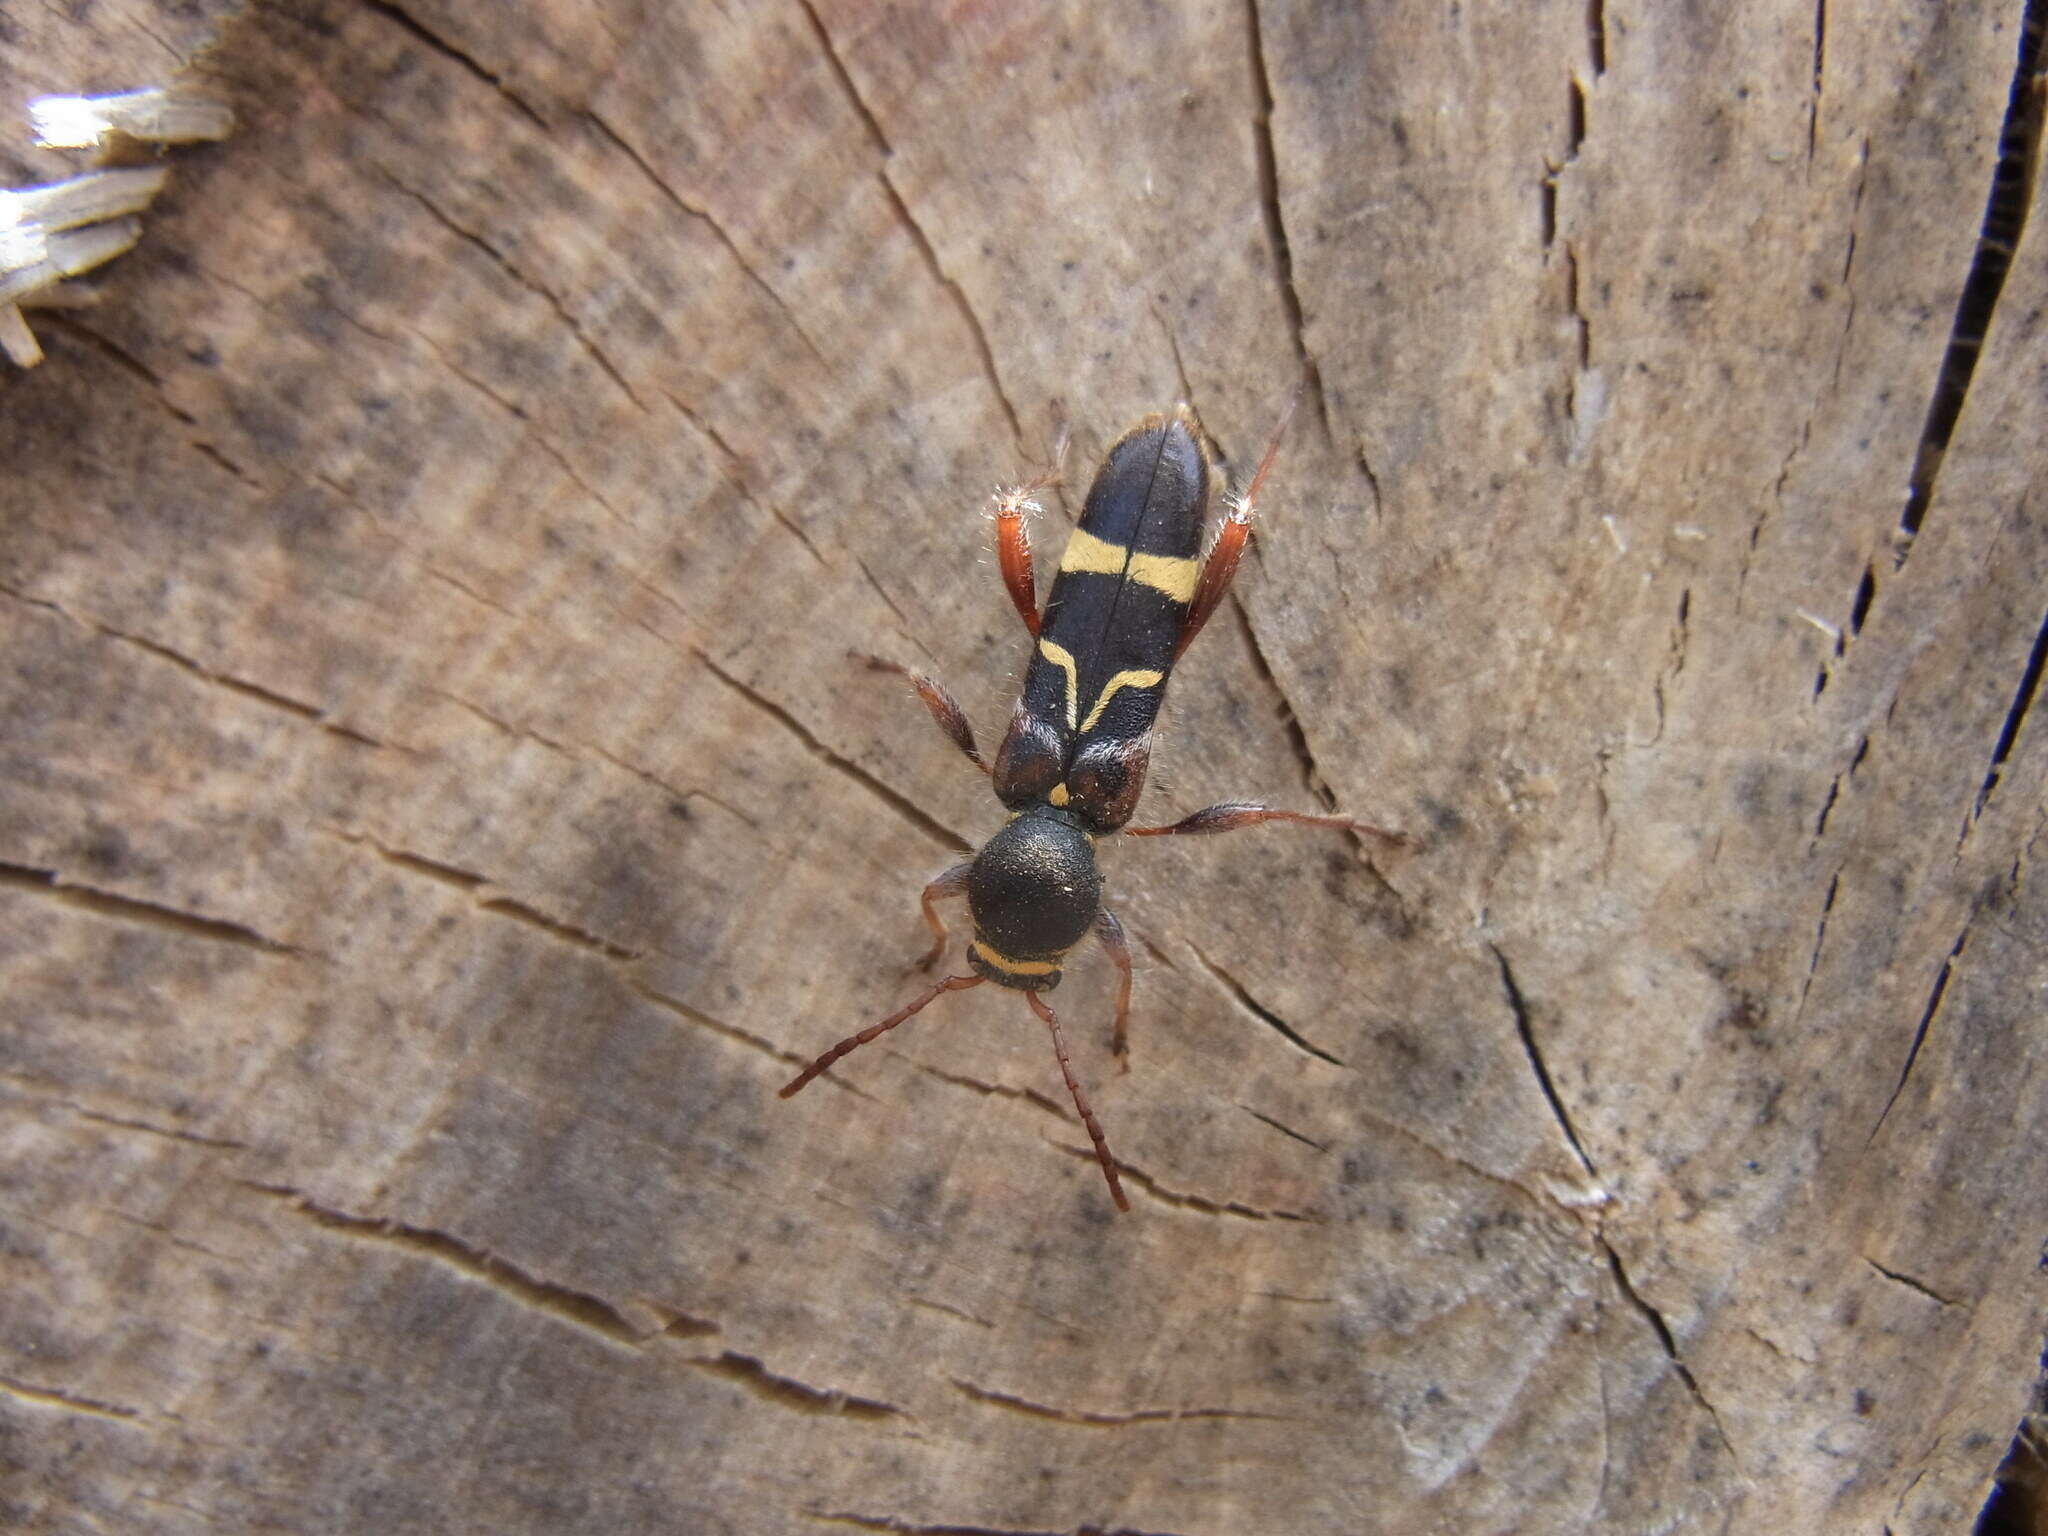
(438, 805)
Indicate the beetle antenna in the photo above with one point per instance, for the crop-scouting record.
(1059, 1047)
(1250, 493)
(950, 984)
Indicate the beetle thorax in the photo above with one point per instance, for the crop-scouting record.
(1034, 892)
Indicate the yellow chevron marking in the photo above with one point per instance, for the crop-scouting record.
(1058, 796)
(1169, 574)
(1063, 658)
(1131, 679)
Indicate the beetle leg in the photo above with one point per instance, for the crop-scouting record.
(950, 984)
(1059, 1049)
(1013, 554)
(1232, 814)
(1013, 540)
(1109, 933)
(952, 883)
(945, 709)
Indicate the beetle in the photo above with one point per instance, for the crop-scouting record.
(1133, 591)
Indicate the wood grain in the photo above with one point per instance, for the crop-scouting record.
(441, 800)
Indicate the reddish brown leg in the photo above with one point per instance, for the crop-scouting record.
(952, 883)
(950, 984)
(945, 709)
(1109, 933)
(1013, 540)
(1221, 564)
(1233, 814)
(1013, 554)
(1059, 1046)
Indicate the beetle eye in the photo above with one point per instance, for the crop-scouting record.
(1106, 780)
(1029, 761)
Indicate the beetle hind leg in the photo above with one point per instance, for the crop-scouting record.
(1094, 1126)
(854, 1042)
(1109, 933)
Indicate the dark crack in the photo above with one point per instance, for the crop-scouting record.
(560, 1303)
(488, 897)
(872, 125)
(844, 77)
(48, 884)
(1918, 1286)
(405, 20)
(66, 1402)
(1663, 1331)
(735, 475)
(1095, 1419)
(982, 346)
(2015, 717)
(1200, 1204)
(1820, 935)
(512, 270)
(2006, 208)
(1283, 1129)
(167, 1132)
(903, 1527)
(719, 232)
(240, 686)
(1269, 208)
(733, 1032)
(787, 1392)
(1820, 70)
(905, 807)
(1934, 997)
(71, 325)
(1244, 999)
(1519, 1006)
(1290, 719)
(1029, 1096)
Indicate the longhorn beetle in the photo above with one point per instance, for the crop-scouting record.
(1130, 596)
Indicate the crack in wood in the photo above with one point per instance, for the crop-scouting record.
(1518, 1005)
(409, 23)
(2006, 208)
(718, 230)
(1096, 1419)
(67, 1402)
(788, 1392)
(592, 1314)
(895, 799)
(1662, 1329)
(1244, 999)
(1268, 162)
(49, 884)
(1920, 1287)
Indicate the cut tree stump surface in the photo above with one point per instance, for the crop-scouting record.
(440, 804)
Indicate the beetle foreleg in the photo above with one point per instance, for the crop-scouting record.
(1232, 814)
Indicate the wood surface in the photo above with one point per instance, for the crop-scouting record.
(439, 803)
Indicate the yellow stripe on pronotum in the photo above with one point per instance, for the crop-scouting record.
(1015, 967)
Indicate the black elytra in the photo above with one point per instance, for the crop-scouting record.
(1133, 590)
